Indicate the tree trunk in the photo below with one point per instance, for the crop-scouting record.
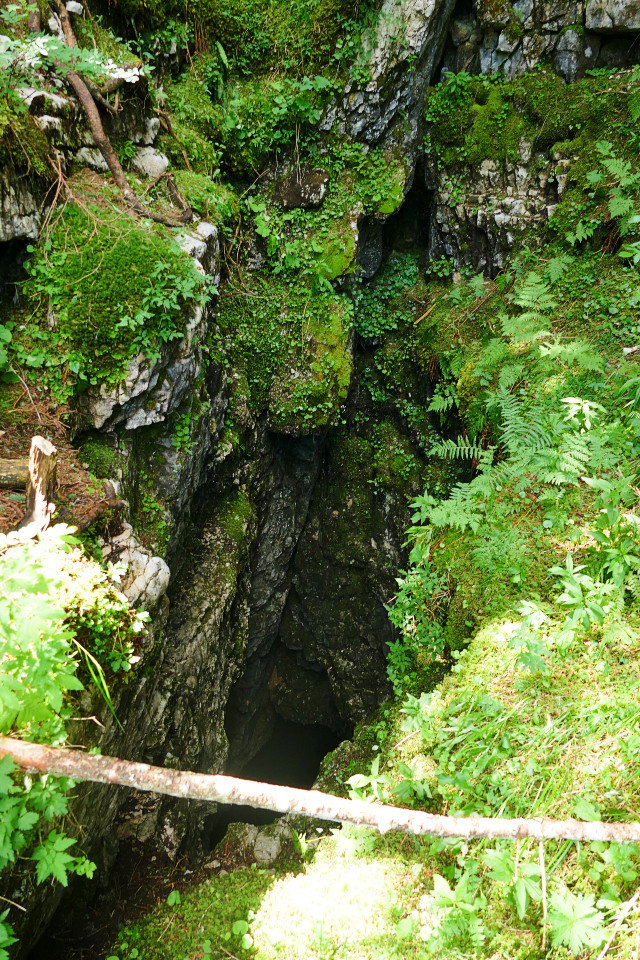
(324, 806)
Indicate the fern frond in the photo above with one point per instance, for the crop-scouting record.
(459, 449)
(577, 352)
(442, 403)
(558, 266)
(533, 295)
(526, 327)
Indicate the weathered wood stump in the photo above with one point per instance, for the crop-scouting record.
(41, 485)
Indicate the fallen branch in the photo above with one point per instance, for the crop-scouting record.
(14, 474)
(88, 103)
(324, 806)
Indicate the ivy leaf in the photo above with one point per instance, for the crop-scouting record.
(575, 922)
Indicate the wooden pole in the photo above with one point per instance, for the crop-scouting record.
(41, 485)
(199, 786)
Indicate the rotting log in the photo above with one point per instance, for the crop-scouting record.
(41, 485)
(14, 474)
(265, 796)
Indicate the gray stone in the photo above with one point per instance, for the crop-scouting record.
(149, 162)
(575, 53)
(405, 33)
(495, 13)
(148, 134)
(553, 15)
(74, 7)
(91, 157)
(613, 15)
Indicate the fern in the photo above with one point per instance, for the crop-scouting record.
(577, 352)
(459, 449)
(525, 328)
(442, 403)
(533, 295)
(558, 266)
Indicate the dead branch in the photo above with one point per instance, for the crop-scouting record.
(220, 789)
(81, 90)
(166, 125)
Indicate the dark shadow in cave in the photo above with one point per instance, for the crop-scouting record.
(13, 254)
(292, 758)
(405, 229)
(408, 227)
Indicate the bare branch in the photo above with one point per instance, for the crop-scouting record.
(324, 806)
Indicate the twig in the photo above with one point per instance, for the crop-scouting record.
(18, 906)
(426, 313)
(26, 386)
(623, 915)
(404, 739)
(543, 880)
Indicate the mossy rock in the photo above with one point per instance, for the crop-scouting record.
(312, 398)
(461, 621)
(114, 286)
(215, 202)
(102, 457)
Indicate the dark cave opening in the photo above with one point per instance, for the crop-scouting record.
(291, 757)
(406, 229)
(13, 254)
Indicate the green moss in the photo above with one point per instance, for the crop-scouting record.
(215, 202)
(116, 286)
(338, 251)
(290, 346)
(235, 516)
(460, 620)
(24, 147)
(103, 459)
(396, 463)
(497, 130)
(314, 397)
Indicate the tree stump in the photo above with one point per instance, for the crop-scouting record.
(41, 485)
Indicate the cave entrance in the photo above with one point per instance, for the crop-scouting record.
(406, 229)
(13, 254)
(291, 757)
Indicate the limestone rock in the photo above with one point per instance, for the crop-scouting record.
(20, 209)
(147, 577)
(91, 157)
(618, 16)
(405, 33)
(151, 390)
(575, 53)
(149, 162)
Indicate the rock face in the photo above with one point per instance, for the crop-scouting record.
(613, 15)
(571, 37)
(302, 189)
(495, 205)
(399, 58)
